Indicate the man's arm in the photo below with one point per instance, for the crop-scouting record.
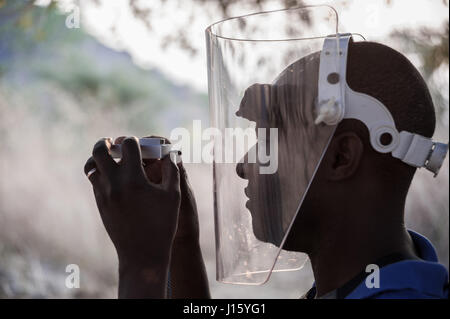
(143, 281)
(188, 277)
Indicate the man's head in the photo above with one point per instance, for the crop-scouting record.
(351, 174)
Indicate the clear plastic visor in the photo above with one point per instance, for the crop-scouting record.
(263, 74)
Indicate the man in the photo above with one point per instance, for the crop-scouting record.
(351, 217)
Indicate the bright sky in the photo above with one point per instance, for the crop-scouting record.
(114, 25)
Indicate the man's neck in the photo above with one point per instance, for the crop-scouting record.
(352, 244)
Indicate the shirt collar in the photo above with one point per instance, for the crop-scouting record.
(396, 272)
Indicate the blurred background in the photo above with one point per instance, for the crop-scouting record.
(74, 71)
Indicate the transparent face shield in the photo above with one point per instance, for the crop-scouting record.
(263, 73)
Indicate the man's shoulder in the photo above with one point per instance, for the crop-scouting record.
(416, 279)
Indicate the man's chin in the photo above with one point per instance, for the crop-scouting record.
(292, 242)
(288, 245)
(263, 235)
(258, 231)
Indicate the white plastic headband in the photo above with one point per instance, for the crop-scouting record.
(337, 101)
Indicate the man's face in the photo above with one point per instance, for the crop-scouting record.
(264, 201)
(289, 106)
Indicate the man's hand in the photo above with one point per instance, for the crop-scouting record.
(187, 271)
(139, 215)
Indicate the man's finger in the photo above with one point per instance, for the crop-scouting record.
(131, 155)
(105, 163)
(91, 172)
(119, 139)
(90, 164)
(170, 174)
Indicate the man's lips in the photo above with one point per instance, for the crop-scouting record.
(247, 203)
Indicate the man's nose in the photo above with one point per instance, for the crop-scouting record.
(240, 170)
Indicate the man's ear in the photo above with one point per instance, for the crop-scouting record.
(344, 156)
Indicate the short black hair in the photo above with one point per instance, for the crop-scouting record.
(387, 75)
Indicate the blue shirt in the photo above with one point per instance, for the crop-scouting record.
(422, 278)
